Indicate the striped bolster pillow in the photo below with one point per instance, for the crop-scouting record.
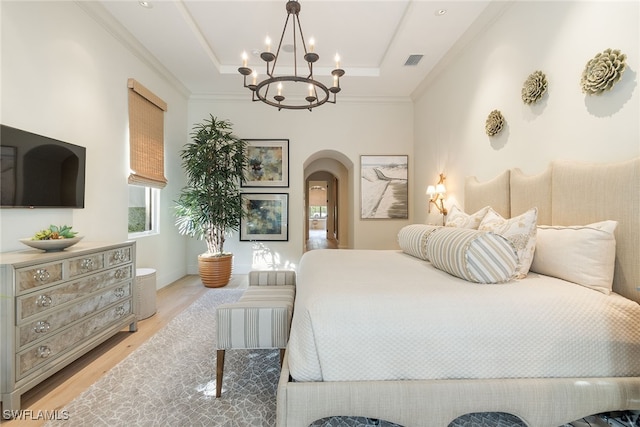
(476, 256)
(413, 239)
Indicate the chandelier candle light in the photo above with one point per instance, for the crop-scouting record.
(317, 94)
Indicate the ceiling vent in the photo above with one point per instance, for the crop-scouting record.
(413, 60)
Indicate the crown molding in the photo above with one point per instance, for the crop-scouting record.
(99, 14)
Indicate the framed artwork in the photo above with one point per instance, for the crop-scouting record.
(268, 163)
(384, 189)
(267, 217)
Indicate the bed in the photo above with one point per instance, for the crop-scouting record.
(396, 335)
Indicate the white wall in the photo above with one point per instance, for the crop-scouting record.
(351, 128)
(557, 38)
(65, 77)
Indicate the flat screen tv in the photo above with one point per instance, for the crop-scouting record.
(40, 172)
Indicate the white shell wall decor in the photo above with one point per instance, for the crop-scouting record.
(603, 71)
(534, 87)
(494, 123)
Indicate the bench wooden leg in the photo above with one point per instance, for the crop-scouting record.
(219, 372)
(282, 350)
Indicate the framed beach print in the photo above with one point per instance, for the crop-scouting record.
(384, 188)
(267, 217)
(268, 163)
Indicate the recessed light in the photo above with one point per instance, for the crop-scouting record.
(440, 12)
(146, 4)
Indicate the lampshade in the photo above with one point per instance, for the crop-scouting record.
(431, 190)
(440, 189)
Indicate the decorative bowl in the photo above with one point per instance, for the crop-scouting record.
(53, 245)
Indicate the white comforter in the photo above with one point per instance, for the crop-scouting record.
(384, 315)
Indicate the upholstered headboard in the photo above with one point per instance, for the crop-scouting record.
(572, 193)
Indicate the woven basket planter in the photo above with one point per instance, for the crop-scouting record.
(215, 271)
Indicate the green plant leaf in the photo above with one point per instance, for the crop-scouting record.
(210, 205)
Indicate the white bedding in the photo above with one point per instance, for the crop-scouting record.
(385, 315)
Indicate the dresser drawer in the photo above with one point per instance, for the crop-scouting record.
(118, 256)
(42, 275)
(57, 345)
(38, 303)
(48, 325)
(85, 264)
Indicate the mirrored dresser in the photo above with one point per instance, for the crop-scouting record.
(56, 306)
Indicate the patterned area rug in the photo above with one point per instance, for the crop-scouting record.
(170, 381)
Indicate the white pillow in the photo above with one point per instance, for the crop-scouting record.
(458, 218)
(584, 255)
(519, 230)
(473, 255)
(413, 238)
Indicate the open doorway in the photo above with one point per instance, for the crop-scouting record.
(322, 211)
(318, 202)
(333, 171)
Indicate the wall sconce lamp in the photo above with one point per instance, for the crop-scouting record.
(436, 195)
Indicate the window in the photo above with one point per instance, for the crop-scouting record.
(316, 212)
(146, 158)
(143, 210)
(146, 136)
(318, 200)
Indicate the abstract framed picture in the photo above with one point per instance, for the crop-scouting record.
(266, 217)
(268, 163)
(384, 187)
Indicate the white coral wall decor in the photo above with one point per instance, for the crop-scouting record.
(534, 87)
(603, 71)
(494, 123)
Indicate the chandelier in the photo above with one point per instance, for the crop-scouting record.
(315, 93)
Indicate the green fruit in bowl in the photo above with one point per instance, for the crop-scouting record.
(55, 232)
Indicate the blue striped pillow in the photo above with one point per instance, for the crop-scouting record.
(476, 256)
(413, 239)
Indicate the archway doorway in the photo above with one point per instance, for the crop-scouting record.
(322, 211)
(328, 202)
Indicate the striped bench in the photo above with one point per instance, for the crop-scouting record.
(259, 319)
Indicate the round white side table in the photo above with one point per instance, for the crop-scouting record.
(144, 295)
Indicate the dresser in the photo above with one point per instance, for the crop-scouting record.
(56, 306)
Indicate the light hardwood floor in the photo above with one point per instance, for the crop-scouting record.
(64, 386)
(318, 240)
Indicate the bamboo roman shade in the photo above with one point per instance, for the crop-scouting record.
(146, 136)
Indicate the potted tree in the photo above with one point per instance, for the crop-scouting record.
(210, 206)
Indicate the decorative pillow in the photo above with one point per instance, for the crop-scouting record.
(519, 230)
(460, 219)
(413, 239)
(473, 255)
(585, 255)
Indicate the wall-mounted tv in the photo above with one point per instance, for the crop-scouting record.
(40, 172)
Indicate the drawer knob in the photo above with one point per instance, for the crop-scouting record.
(41, 327)
(119, 256)
(86, 264)
(119, 292)
(120, 311)
(121, 274)
(43, 301)
(41, 275)
(43, 352)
